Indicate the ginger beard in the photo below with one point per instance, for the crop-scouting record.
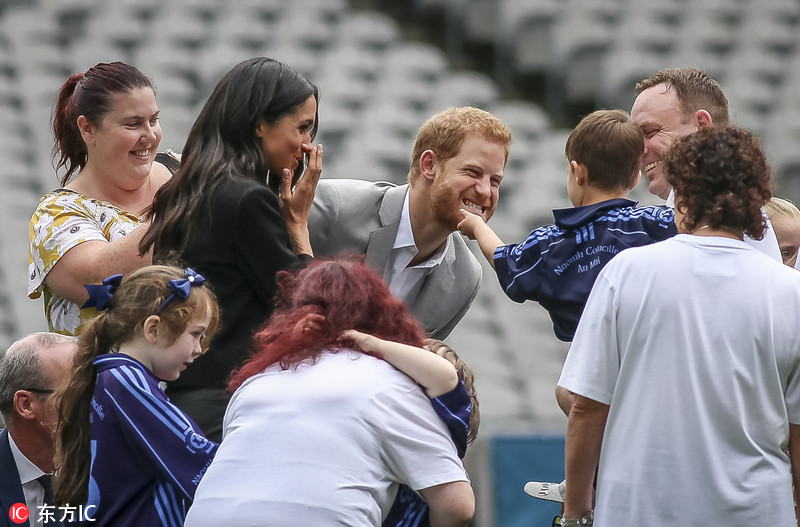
(447, 203)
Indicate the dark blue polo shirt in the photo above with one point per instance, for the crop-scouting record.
(558, 264)
(147, 456)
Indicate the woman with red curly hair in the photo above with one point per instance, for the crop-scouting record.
(318, 433)
(686, 364)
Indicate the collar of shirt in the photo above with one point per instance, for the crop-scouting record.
(768, 244)
(670, 199)
(115, 359)
(578, 216)
(404, 248)
(31, 489)
(27, 470)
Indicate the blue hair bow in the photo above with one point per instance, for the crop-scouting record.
(181, 287)
(100, 295)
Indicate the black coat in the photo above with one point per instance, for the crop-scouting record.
(239, 246)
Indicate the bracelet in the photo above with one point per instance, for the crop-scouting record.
(585, 520)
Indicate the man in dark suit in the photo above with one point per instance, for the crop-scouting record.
(29, 372)
(408, 233)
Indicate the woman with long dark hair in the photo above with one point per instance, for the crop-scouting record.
(221, 213)
(337, 430)
(105, 123)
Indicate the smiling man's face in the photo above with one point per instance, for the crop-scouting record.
(658, 113)
(470, 180)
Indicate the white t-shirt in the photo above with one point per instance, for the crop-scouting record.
(693, 343)
(323, 444)
(768, 244)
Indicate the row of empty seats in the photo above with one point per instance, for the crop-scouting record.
(377, 88)
(590, 53)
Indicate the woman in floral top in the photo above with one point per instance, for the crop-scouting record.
(107, 134)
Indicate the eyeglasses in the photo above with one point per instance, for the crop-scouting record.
(38, 390)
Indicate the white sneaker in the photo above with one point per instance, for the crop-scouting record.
(546, 491)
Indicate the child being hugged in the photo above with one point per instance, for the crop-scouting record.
(449, 383)
(122, 449)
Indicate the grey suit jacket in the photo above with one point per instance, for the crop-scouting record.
(363, 217)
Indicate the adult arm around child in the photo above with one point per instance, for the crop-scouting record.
(794, 457)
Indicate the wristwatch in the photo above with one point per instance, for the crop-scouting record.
(585, 520)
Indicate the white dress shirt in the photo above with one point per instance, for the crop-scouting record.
(33, 491)
(405, 282)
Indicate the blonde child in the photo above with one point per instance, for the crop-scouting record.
(449, 383)
(785, 218)
(122, 449)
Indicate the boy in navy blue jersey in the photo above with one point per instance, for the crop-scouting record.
(558, 264)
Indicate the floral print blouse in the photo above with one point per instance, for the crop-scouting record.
(63, 220)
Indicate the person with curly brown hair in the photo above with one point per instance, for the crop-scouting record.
(686, 363)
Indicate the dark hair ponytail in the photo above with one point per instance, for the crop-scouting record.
(69, 143)
(74, 433)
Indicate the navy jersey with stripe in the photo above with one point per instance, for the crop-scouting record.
(147, 455)
(558, 264)
(454, 408)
